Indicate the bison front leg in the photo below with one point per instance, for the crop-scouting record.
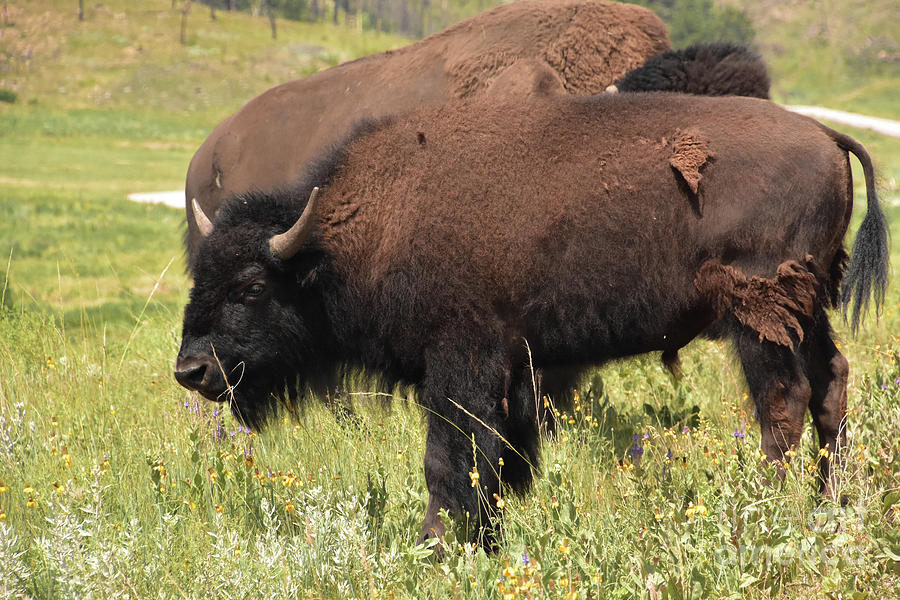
(462, 472)
(465, 443)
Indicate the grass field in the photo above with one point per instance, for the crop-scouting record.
(114, 482)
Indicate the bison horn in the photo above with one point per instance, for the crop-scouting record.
(203, 223)
(286, 245)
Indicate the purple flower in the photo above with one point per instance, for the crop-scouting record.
(669, 454)
(897, 381)
(884, 386)
(686, 430)
(635, 437)
(646, 436)
(525, 559)
(636, 450)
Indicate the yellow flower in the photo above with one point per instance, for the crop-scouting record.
(2, 515)
(500, 461)
(31, 503)
(219, 508)
(500, 502)
(3, 488)
(28, 490)
(288, 506)
(564, 548)
(658, 516)
(473, 475)
(824, 453)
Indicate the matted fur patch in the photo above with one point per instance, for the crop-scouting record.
(772, 307)
(690, 151)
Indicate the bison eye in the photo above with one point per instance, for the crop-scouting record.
(253, 291)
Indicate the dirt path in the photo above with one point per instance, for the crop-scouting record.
(883, 126)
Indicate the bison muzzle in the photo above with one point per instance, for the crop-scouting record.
(555, 233)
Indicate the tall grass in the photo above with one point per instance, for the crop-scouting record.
(114, 482)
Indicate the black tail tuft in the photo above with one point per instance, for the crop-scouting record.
(867, 274)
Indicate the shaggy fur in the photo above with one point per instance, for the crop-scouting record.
(720, 69)
(447, 239)
(512, 51)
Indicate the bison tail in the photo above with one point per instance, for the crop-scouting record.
(867, 274)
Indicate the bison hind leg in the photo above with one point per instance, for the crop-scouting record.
(779, 387)
(827, 371)
(772, 322)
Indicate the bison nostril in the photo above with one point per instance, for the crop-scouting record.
(190, 373)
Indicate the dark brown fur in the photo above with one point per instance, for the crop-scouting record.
(516, 50)
(558, 223)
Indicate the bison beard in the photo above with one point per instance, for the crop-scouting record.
(561, 223)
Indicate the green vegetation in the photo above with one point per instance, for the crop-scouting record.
(700, 21)
(114, 482)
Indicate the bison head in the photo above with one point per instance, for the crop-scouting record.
(250, 325)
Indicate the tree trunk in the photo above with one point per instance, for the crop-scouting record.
(184, 15)
(212, 11)
(336, 5)
(80, 10)
(271, 15)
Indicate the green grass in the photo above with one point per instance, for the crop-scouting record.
(114, 482)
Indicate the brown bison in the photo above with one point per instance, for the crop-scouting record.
(447, 245)
(573, 46)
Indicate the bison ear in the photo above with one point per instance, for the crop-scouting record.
(203, 223)
(286, 245)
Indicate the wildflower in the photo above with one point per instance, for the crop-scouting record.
(824, 453)
(3, 488)
(2, 515)
(219, 508)
(554, 503)
(686, 430)
(525, 559)
(692, 510)
(473, 475)
(598, 578)
(564, 548)
(288, 506)
(500, 461)
(500, 503)
(31, 503)
(658, 516)
(28, 490)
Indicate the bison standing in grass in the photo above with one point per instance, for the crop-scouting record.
(447, 245)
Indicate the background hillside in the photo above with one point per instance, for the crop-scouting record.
(115, 483)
